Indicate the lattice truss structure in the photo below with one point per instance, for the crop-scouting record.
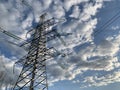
(33, 75)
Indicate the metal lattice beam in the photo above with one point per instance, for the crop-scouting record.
(33, 75)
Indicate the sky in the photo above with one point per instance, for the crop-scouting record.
(93, 52)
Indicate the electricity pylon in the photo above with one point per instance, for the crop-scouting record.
(33, 75)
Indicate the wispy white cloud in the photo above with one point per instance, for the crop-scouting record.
(81, 21)
(7, 76)
(103, 80)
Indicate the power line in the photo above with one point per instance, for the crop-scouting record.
(33, 74)
(26, 4)
(109, 22)
(10, 34)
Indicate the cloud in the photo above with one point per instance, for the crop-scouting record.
(87, 57)
(103, 80)
(86, 54)
(70, 3)
(7, 77)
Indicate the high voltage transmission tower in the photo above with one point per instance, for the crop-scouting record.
(33, 75)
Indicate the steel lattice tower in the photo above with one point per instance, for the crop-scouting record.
(33, 75)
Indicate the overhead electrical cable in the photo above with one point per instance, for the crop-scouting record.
(10, 34)
(109, 22)
(27, 4)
